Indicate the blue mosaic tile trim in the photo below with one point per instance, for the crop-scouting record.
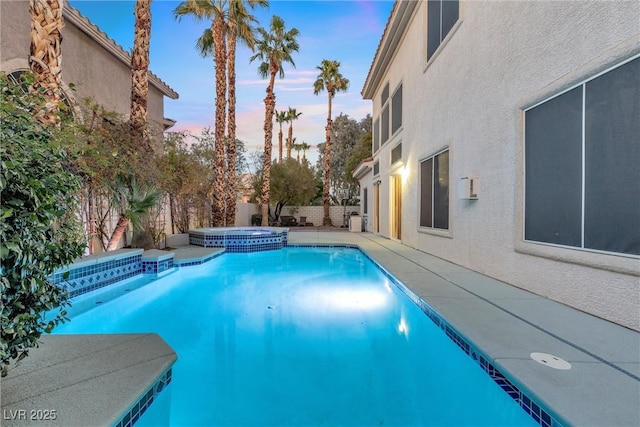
(237, 242)
(86, 279)
(327, 245)
(138, 408)
(156, 267)
(191, 262)
(536, 412)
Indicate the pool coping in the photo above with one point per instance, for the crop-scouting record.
(500, 325)
(108, 379)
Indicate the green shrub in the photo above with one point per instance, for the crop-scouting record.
(38, 223)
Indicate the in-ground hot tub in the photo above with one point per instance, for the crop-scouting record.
(240, 239)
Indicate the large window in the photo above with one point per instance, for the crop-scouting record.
(582, 165)
(434, 191)
(441, 16)
(396, 110)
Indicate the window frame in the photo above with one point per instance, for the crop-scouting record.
(432, 228)
(393, 110)
(365, 200)
(398, 146)
(376, 135)
(583, 85)
(443, 38)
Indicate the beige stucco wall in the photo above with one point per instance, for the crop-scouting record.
(94, 71)
(500, 58)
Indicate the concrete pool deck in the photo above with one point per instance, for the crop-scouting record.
(602, 388)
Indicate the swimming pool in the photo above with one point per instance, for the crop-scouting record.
(298, 337)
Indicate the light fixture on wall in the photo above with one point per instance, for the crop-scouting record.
(468, 188)
(378, 182)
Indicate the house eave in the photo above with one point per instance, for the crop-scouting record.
(363, 168)
(394, 31)
(74, 17)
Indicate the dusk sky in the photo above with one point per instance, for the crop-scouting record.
(347, 31)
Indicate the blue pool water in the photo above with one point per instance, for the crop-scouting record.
(301, 337)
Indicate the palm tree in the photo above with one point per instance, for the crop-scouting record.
(292, 114)
(332, 81)
(216, 36)
(274, 48)
(281, 116)
(238, 29)
(140, 75)
(134, 201)
(45, 55)
(304, 147)
(296, 147)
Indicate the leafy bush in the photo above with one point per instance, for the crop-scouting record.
(38, 226)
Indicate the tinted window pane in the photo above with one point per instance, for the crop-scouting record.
(426, 184)
(612, 161)
(433, 27)
(364, 200)
(376, 135)
(384, 129)
(396, 110)
(396, 153)
(385, 94)
(376, 168)
(441, 191)
(450, 16)
(553, 162)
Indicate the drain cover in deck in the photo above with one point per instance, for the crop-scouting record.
(551, 361)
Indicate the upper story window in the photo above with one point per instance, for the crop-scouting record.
(384, 96)
(434, 191)
(582, 153)
(376, 168)
(376, 135)
(384, 125)
(396, 110)
(396, 153)
(441, 17)
(390, 119)
(384, 119)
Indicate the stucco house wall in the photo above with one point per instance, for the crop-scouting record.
(499, 59)
(96, 66)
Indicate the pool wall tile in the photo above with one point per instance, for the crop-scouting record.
(139, 407)
(156, 261)
(90, 274)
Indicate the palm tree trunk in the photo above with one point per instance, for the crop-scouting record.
(45, 55)
(218, 206)
(118, 232)
(140, 75)
(290, 140)
(172, 214)
(91, 219)
(327, 157)
(270, 105)
(280, 144)
(231, 128)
